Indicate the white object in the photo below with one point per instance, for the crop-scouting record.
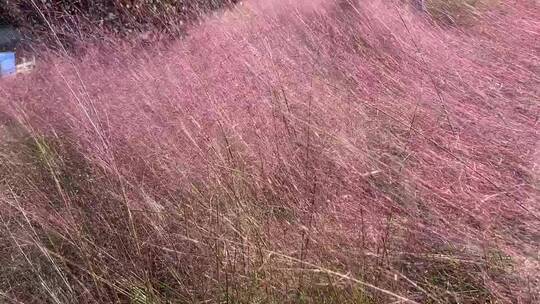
(26, 66)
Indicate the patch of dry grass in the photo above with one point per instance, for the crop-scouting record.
(457, 12)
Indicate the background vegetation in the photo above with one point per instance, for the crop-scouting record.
(48, 20)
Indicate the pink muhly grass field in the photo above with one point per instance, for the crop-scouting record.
(283, 151)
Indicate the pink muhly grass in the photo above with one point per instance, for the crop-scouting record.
(278, 148)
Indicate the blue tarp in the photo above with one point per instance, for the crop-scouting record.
(7, 63)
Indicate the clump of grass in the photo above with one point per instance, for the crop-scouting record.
(283, 153)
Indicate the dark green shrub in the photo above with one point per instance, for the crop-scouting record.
(69, 17)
